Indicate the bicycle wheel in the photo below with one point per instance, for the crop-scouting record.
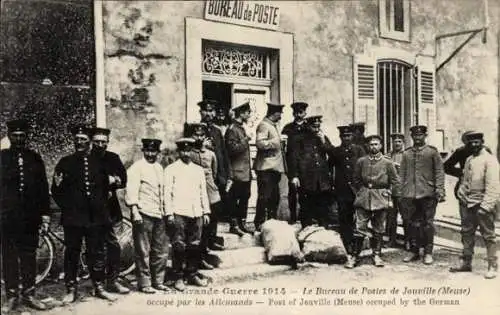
(124, 234)
(44, 258)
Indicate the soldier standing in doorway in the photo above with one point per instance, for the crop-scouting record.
(269, 165)
(292, 131)
(344, 159)
(117, 180)
(396, 155)
(80, 187)
(24, 209)
(422, 178)
(238, 148)
(310, 172)
(375, 180)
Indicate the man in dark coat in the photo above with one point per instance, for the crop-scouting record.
(80, 187)
(118, 180)
(238, 148)
(310, 172)
(344, 159)
(24, 207)
(358, 131)
(292, 130)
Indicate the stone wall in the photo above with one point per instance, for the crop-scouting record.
(145, 58)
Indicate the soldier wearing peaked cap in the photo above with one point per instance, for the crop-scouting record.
(478, 195)
(344, 158)
(143, 195)
(358, 130)
(396, 155)
(205, 158)
(117, 180)
(269, 164)
(422, 177)
(215, 142)
(291, 131)
(238, 148)
(80, 187)
(310, 172)
(24, 208)
(187, 211)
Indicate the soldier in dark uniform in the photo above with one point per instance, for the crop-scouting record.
(217, 145)
(344, 159)
(310, 172)
(118, 180)
(422, 178)
(292, 130)
(396, 155)
(24, 208)
(80, 187)
(238, 147)
(358, 130)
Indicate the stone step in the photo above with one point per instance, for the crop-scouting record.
(237, 257)
(233, 241)
(242, 273)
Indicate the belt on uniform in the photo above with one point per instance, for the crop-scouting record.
(371, 186)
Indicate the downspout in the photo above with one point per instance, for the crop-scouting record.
(100, 105)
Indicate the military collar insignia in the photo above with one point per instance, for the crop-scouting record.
(376, 157)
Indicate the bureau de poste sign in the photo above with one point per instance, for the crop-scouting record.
(262, 14)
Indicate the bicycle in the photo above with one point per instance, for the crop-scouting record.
(46, 257)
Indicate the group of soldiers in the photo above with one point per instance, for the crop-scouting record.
(210, 181)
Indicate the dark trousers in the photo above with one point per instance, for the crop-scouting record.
(94, 241)
(186, 238)
(471, 220)
(223, 207)
(346, 223)
(314, 207)
(268, 198)
(237, 199)
(392, 221)
(19, 244)
(209, 233)
(419, 213)
(113, 252)
(151, 251)
(293, 201)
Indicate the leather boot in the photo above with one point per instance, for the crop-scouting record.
(234, 229)
(31, 302)
(71, 295)
(103, 294)
(242, 225)
(464, 266)
(492, 269)
(377, 250)
(116, 287)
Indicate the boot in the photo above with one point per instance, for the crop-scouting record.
(10, 305)
(103, 294)
(413, 256)
(234, 229)
(116, 287)
(492, 270)
(351, 262)
(377, 250)
(243, 227)
(465, 265)
(71, 295)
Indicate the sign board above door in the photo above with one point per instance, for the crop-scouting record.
(262, 14)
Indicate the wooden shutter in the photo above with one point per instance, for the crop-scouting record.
(426, 96)
(365, 92)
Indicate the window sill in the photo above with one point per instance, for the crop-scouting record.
(399, 36)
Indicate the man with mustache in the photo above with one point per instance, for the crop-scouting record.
(117, 180)
(80, 187)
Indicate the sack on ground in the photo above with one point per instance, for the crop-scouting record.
(280, 242)
(321, 245)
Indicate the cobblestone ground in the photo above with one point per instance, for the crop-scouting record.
(423, 288)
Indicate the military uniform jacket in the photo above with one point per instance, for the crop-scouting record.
(422, 173)
(375, 180)
(344, 160)
(238, 149)
(269, 151)
(310, 162)
(80, 187)
(114, 167)
(292, 131)
(25, 190)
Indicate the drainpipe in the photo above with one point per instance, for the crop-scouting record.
(100, 106)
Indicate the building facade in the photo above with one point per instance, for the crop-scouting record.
(142, 66)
